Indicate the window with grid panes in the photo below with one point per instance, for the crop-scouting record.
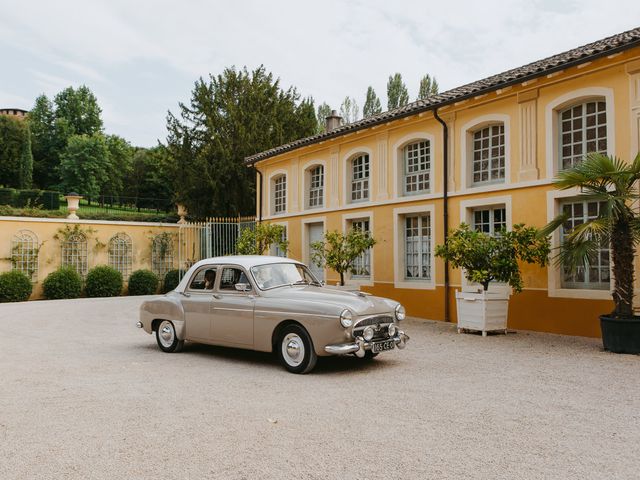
(489, 220)
(280, 194)
(488, 154)
(417, 165)
(595, 273)
(362, 264)
(316, 187)
(583, 129)
(360, 178)
(74, 253)
(24, 253)
(120, 256)
(417, 237)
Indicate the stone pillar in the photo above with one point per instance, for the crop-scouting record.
(528, 105)
(294, 185)
(334, 193)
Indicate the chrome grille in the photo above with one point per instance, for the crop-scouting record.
(375, 320)
(380, 324)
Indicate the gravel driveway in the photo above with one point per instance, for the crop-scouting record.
(84, 394)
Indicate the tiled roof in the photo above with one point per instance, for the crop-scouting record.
(591, 51)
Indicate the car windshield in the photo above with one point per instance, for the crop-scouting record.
(278, 274)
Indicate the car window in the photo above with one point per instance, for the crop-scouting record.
(231, 276)
(204, 279)
(274, 275)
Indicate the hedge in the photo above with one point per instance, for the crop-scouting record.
(103, 281)
(15, 287)
(171, 280)
(143, 282)
(63, 283)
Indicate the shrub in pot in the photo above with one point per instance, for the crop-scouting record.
(143, 282)
(486, 258)
(103, 281)
(613, 184)
(15, 287)
(171, 280)
(63, 283)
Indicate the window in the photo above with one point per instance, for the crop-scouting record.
(231, 276)
(120, 256)
(360, 178)
(583, 129)
(417, 166)
(489, 220)
(362, 265)
(489, 154)
(204, 279)
(275, 248)
(280, 194)
(24, 253)
(418, 247)
(162, 254)
(74, 253)
(316, 187)
(594, 274)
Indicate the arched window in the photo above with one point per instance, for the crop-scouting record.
(315, 179)
(74, 253)
(279, 199)
(24, 253)
(583, 129)
(162, 254)
(417, 167)
(360, 178)
(488, 154)
(120, 256)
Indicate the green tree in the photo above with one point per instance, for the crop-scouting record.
(85, 165)
(397, 93)
(120, 165)
(258, 240)
(149, 175)
(229, 117)
(372, 104)
(324, 111)
(349, 110)
(339, 251)
(16, 161)
(46, 146)
(428, 87)
(80, 110)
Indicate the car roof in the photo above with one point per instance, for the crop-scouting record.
(245, 261)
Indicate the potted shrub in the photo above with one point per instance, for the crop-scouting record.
(614, 184)
(339, 251)
(486, 258)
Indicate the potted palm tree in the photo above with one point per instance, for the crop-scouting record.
(486, 258)
(613, 183)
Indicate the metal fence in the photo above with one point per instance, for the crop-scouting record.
(118, 204)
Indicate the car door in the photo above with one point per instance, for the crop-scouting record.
(197, 303)
(232, 309)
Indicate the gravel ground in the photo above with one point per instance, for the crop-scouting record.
(84, 394)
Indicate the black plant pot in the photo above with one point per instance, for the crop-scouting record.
(620, 335)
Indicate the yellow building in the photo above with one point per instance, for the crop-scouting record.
(484, 153)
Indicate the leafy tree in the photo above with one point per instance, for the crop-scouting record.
(324, 111)
(16, 161)
(428, 87)
(371, 104)
(397, 93)
(45, 144)
(258, 241)
(149, 175)
(229, 117)
(120, 165)
(339, 251)
(80, 110)
(349, 110)
(85, 165)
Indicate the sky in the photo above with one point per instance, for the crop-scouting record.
(141, 58)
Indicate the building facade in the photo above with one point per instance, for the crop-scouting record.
(485, 154)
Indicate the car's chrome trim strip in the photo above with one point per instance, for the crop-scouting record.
(272, 312)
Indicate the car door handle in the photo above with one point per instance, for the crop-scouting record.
(217, 296)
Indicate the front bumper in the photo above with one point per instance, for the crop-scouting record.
(360, 345)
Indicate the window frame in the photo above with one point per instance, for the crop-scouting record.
(309, 188)
(364, 180)
(275, 179)
(490, 158)
(399, 254)
(428, 171)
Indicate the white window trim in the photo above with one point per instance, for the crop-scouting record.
(272, 248)
(306, 183)
(466, 150)
(346, 176)
(554, 280)
(552, 110)
(304, 237)
(466, 215)
(398, 164)
(362, 282)
(271, 192)
(398, 252)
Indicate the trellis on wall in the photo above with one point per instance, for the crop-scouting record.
(24, 253)
(120, 254)
(74, 252)
(162, 254)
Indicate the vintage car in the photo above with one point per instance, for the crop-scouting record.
(271, 304)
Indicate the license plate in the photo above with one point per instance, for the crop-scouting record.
(382, 346)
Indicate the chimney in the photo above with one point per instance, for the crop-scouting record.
(333, 121)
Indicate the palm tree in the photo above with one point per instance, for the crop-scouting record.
(613, 183)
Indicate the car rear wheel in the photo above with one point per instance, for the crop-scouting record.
(167, 339)
(295, 350)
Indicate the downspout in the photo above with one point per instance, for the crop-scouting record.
(445, 199)
(259, 198)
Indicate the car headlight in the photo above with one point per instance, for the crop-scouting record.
(367, 334)
(346, 318)
(392, 330)
(400, 313)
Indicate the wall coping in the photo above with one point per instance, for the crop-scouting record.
(87, 222)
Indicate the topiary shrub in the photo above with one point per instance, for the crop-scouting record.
(29, 198)
(63, 283)
(14, 287)
(50, 200)
(171, 280)
(6, 196)
(143, 282)
(103, 281)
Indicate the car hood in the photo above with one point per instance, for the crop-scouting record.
(358, 303)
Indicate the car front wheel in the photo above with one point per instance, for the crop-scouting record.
(295, 350)
(167, 339)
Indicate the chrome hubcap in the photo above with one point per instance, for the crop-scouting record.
(293, 349)
(166, 334)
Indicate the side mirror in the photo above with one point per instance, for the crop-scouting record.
(243, 287)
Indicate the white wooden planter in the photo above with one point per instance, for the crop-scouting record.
(482, 311)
